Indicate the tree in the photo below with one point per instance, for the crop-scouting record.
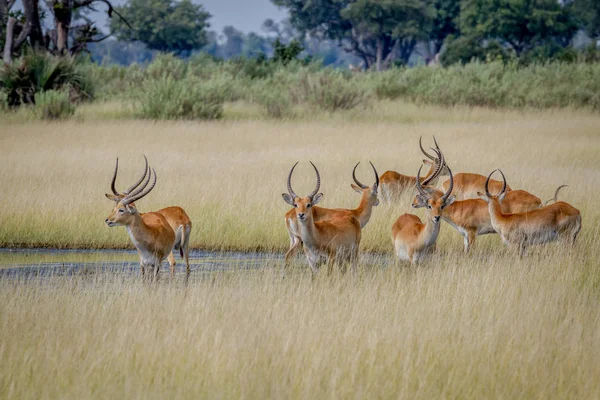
(378, 31)
(445, 22)
(521, 24)
(163, 25)
(587, 13)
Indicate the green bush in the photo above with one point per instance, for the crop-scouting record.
(3, 101)
(53, 104)
(330, 90)
(275, 103)
(39, 72)
(190, 98)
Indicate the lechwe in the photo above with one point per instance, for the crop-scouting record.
(411, 237)
(150, 232)
(471, 217)
(175, 216)
(467, 185)
(542, 225)
(337, 239)
(368, 200)
(394, 184)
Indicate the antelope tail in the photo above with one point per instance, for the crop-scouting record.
(182, 243)
(555, 198)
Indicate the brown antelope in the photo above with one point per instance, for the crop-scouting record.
(471, 217)
(337, 239)
(467, 185)
(542, 225)
(175, 216)
(150, 233)
(411, 237)
(368, 200)
(394, 184)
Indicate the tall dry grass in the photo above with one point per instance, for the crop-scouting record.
(229, 176)
(487, 327)
(483, 325)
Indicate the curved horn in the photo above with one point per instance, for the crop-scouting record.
(143, 185)
(440, 162)
(432, 158)
(555, 198)
(418, 184)
(318, 182)
(449, 192)
(376, 174)
(131, 198)
(437, 146)
(503, 183)
(135, 185)
(289, 183)
(487, 182)
(356, 180)
(114, 180)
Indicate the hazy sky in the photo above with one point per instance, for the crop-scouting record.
(245, 15)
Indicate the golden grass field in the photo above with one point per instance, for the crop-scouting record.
(483, 325)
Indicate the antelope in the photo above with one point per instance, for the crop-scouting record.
(466, 185)
(175, 216)
(411, 237)
(368, 200)
(471, 217)
(394, 184)
(539, 226)
(337, 239)
(150, 233)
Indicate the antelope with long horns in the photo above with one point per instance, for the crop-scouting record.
(543, 225)
(337, 239)
(150, 233)
(411, 237)
(394, 184)
(363, 212)
(175, 216)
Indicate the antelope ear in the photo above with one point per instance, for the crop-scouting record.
(112, 197)
(427, 162)
(131, 208)
(317, 198)
(483, 197)
(288, 199)
(357, 189)
(450, 200)
(419, 201)
(501, 197)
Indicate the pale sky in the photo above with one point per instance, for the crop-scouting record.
(245, 15)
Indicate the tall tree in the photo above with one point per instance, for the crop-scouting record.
(587, 13)
(163, 25)
(378, 31)
(522, 24)
(445, 22)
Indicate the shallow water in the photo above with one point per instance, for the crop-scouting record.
(52, 262)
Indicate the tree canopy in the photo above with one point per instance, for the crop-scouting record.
(163, 25)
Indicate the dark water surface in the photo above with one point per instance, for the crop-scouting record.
(52, 262)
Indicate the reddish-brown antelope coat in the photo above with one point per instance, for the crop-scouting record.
(394, 184)
(150, 233)
(176, 217)
(412, 238)
(467, 185)
(337, 239)
(542, 225)
(362, 213)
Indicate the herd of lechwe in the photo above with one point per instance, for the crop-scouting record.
(465, 201)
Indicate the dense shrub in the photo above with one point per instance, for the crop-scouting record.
(39, 72)
(53, 104)
(190, 98)
(330, 90)
(275, 103)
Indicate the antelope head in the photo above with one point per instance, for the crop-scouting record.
(369, 191)
(303, 205)
(500, 196)
(434, 204)
(441, 167)
(124, 210)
